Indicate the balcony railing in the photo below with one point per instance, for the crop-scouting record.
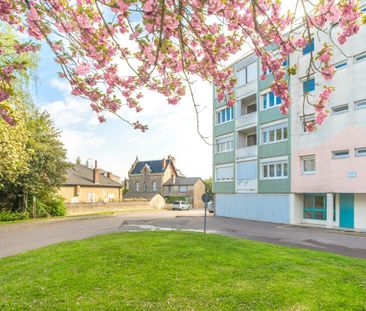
(248, 185)
(246, 152)
(247, 120)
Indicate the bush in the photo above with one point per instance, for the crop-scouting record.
(56, 207)
(12, 216)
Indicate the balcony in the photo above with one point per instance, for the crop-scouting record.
(248, 185)
(247, 120)
(247, 152)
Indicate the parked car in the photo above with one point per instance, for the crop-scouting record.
(211, 207)
(180, 206)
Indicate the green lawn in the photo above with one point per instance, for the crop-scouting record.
(179, 271)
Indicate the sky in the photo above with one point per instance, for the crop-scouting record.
(114, 144)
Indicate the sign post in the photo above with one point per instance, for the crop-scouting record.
(205, 198)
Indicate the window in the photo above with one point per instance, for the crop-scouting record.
(225, 144)
(269, 100)
(169, 188)
(247, 170)
(154, 188)
(269, 71)
(360, 104)
(246, 74)
(182, 188)
(308, 85)
(363, 10)
(225, 115)
(90, 197)
(224, 173)
(339, 154)
(360, 152)
(308, 165)
(251, 72)
(251, 140)
(137, 187)
(340, 109)
(145, 187)
(275, 170)
(274, 134)
(309, 47)
(251, 108)
(360, 57)
(340, 65)
(305, 120)
(315, 207)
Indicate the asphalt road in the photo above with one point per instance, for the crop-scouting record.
(17, 238)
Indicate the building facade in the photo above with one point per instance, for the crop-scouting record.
(268, 168)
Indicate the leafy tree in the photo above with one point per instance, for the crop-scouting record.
(208, 185)
(173, 41)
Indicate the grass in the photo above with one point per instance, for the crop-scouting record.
(179, 271)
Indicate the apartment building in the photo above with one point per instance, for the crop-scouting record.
(268, 168)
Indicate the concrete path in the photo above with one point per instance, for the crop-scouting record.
(16, 238)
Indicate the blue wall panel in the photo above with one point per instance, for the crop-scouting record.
(271, 208)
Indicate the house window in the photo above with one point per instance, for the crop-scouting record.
(309, 85)
(145, 187)
(340, 65)
(154, 188)
(269, 100)
(360, 152)
(305, 120)
(315, 207)
(225, 144)
(182, 188)
(360, 104)
(251, 140)
(225, 115)
(90, 197)
(309, 47)
(137, 186)
(339, 154)
(308, 165)
(169, 189)
(224, 173)
(246, 74)
(360, 57)
(251, 108)
(274, 134)
(247, 170)
(275, 170)
(340, 109)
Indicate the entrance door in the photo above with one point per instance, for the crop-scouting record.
(346, 215)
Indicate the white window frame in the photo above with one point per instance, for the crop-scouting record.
(183, 189)
(363, 57)
(223, 166)
(90, 197)
(305, 158)
(274, 127)
(137, 186)
(274, 163)
(343, 64)
(244, 70)
(335, 156)
(357, 152)
(219, 111)
(335, 112)
(304, 120)
(267, 94)
(154, 186)
(227, 141)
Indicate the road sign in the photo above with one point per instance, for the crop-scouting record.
(206, 197)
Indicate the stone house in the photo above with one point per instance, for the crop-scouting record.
(88, 185)
(190, 189)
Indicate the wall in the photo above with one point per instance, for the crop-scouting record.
(93, 208)
(100, 193)
(360, 211)
(259, 207)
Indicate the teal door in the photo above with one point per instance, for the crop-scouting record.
(346, 213)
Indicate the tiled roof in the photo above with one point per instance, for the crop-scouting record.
(155, 166)
(82, 175)
(182, 181)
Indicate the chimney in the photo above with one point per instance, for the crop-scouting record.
(172, 159)
(173, 179)
(109, 175)
(164, 164)
(96, 173)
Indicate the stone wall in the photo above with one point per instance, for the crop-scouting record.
(93, 208)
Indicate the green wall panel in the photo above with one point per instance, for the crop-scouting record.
(274, 150)
(224, 187)
(225, 157)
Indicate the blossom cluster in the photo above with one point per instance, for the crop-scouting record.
(172, 41)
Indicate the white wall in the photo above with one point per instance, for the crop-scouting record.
(360, 211)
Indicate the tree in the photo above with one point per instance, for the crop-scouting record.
(108, 48)
(46, 165)
(208, 185)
